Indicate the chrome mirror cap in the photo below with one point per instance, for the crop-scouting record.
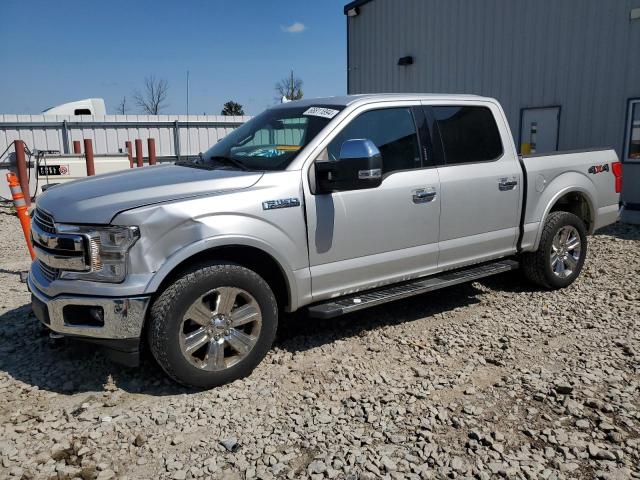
(358, 148)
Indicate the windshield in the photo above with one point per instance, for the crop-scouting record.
(271, 140)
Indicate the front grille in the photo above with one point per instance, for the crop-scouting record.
(49, 273)
(44, 221)
(56, 251)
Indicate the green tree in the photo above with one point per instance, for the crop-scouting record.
(290, 87)
(232, 108)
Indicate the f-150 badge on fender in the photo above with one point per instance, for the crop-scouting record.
(599, 168)
(280, 203)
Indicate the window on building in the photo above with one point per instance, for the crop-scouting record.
(392, 130)
(633, 131)
(469, 134)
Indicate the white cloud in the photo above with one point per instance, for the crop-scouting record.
(295, 27)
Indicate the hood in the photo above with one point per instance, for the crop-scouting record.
(98, 199)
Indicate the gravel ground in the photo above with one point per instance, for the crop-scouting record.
(491, 379)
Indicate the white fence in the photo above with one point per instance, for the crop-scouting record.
(176, 135)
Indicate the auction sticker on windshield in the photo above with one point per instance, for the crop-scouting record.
(321, 112)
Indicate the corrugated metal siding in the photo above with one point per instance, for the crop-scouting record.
(109, 132)
(580, 54)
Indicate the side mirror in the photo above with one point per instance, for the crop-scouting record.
(358, 167)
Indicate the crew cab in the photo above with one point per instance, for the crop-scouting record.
(331, 205)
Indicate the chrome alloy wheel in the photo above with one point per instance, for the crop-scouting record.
(220, 328)
(565, 251)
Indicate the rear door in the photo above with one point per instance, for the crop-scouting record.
(480, 181)
(365, 238)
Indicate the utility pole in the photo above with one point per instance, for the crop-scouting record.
(188, 135)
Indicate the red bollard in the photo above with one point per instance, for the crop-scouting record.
(127, 145)
(88, 155)
(23, 175)
(76, 146)
(139, 152)
(151, 144)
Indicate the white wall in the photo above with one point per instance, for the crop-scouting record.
(195, 133)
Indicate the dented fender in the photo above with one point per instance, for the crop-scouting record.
(171, 233)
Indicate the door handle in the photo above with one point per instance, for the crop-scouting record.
(424, 195)
(506, 184)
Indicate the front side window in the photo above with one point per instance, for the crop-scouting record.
(392, 130)
(469, 134)
(269, 141)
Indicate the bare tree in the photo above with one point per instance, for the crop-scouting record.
(123, 108)
(152, 100)
(290, 87)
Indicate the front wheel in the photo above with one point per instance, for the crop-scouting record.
(213, 325)
(561, 253)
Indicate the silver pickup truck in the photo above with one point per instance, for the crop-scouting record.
(333, 204)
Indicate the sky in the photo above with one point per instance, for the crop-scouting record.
(53, 52)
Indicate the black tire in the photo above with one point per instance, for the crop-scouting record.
(537, 265)
(169, 308)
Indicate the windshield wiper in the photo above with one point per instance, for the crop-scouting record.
(192, 164)
(229, 161)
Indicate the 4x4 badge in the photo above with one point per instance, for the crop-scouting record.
(280, 203)
(599, 168)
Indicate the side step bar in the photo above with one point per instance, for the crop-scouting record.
(352, 303)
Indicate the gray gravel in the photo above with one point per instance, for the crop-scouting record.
(493, 379)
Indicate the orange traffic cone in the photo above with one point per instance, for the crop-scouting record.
(21, 207)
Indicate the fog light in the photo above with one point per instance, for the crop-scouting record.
(83, 315)
(97, 315)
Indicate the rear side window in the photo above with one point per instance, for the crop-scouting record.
(469, 134)
(392, 130)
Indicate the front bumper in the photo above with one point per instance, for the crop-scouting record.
(90, 317)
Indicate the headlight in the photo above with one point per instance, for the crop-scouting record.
(107, 249)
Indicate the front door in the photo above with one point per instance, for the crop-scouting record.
(480, 182)
(365, 238)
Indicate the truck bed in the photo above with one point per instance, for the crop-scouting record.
(549, 176)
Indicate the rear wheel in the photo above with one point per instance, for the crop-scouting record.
(213, 325)
(561, 253)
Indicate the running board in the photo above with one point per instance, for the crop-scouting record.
(352, 303)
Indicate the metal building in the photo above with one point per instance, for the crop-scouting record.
(572, 67)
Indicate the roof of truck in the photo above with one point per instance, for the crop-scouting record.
(376, 97)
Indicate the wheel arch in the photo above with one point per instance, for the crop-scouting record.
(578, 203)
(245, 252)
(573, 199)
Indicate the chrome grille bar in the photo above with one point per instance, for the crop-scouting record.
(57, 251)
(62, 242)
(44, 221)
(49, 273)
(61, 260)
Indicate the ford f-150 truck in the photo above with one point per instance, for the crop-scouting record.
(333, 204)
